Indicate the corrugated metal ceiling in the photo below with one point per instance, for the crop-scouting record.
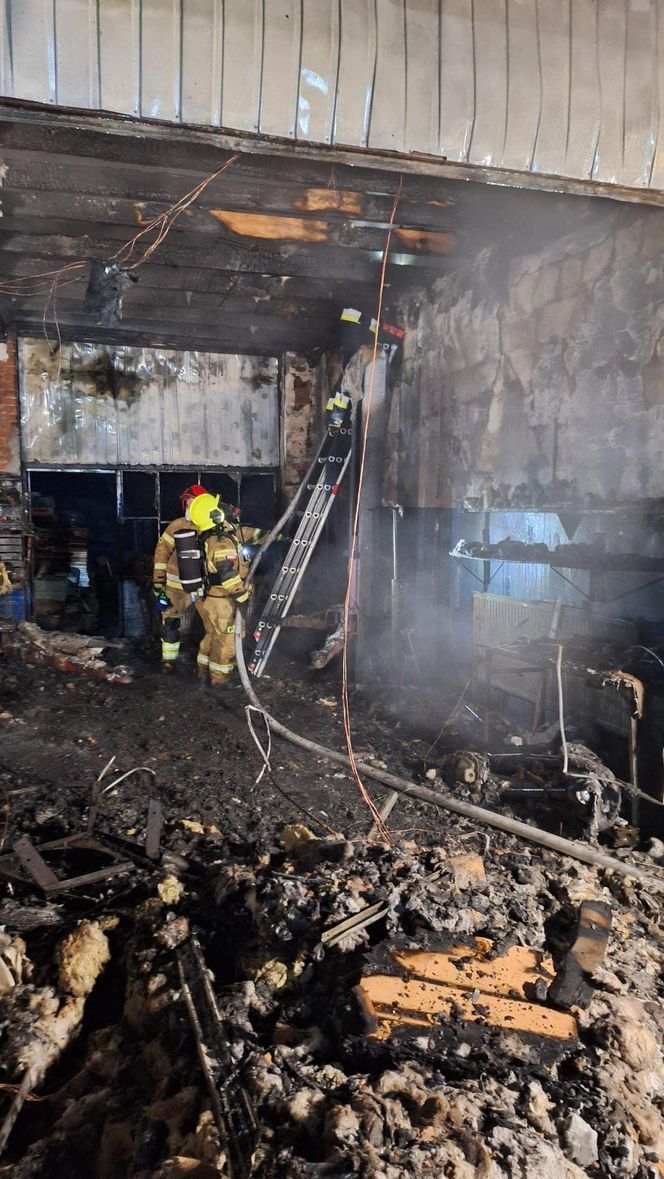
(563, 87)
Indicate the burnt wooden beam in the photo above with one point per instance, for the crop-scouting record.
(189, 251)
(194, 250)
(381, 162)
(245, 322)
(147, 148)
(212, 282)
(41, 172)
(140, 299)
(147, 333)
(65, 210)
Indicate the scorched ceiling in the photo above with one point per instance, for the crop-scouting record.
(261, 262)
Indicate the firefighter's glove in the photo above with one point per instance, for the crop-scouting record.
(242, 598)
(160, 596)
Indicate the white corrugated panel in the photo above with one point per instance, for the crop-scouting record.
(499, 620)
(551, 86)
(105, 406)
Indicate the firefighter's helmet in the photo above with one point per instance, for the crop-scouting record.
(205, 512)
(190, 493)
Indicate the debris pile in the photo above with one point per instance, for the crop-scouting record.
(68, 652)
(238, 1028)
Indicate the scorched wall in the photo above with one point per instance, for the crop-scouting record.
(532, 378)
(544, 367)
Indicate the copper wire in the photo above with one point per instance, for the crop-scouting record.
(48, 281)
(378, 821)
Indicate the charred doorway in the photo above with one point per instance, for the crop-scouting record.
(94, 535)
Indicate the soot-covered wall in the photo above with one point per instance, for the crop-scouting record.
(540, 368)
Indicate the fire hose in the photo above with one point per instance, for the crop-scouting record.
(565, 847)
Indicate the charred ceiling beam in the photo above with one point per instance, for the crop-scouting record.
(139, 299)
(148, 332)
(198, 251)
(246, 322)
(63, 211)
(165, 276)
(262, 262)
(31, 174)
(148, 148)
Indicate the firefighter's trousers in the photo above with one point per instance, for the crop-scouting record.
(170, 622)
(216, 653)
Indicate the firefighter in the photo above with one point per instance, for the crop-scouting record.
(226, 564)
(171, 600)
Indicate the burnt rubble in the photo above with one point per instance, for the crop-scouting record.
(216, 1028)
(130, 1083)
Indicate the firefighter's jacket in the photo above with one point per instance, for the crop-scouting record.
(225, 565)
(165, 557)
(5, 584)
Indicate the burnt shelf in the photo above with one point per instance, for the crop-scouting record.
(642, 565)
(554, 510)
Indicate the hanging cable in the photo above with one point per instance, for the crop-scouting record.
(265, 755)
(561, 706)
(449, 720)
(48, 282)
(378, 821)
(44, 280)
(164, 221)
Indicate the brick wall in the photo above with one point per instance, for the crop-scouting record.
(10, 461)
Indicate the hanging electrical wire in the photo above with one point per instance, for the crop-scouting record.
(165, 221)
(366, 414)
(49, 282)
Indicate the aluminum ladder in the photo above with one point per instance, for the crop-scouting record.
(331, 465)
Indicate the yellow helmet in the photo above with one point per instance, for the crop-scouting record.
(205, 513)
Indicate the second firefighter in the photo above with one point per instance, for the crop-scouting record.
(171, 598)
(226, 567)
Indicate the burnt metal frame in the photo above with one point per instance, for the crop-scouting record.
(32, 861)
(232, 1105)
(487, 577)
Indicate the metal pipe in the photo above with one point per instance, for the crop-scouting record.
(565, 847)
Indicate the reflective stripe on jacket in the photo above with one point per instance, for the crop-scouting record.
(165, 566)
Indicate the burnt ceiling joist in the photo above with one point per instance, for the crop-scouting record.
(263, 261)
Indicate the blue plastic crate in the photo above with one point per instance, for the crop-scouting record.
(12, 606)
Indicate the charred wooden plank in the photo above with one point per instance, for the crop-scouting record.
(35, 865)
(465, 981)
(147, 333)
(65, 241)
(147, 148)
(40, 173)
(194, 305)
(155, 827)
(572, 986)
(43, 212)
(165, 276)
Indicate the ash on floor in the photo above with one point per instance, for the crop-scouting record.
(92, 998)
